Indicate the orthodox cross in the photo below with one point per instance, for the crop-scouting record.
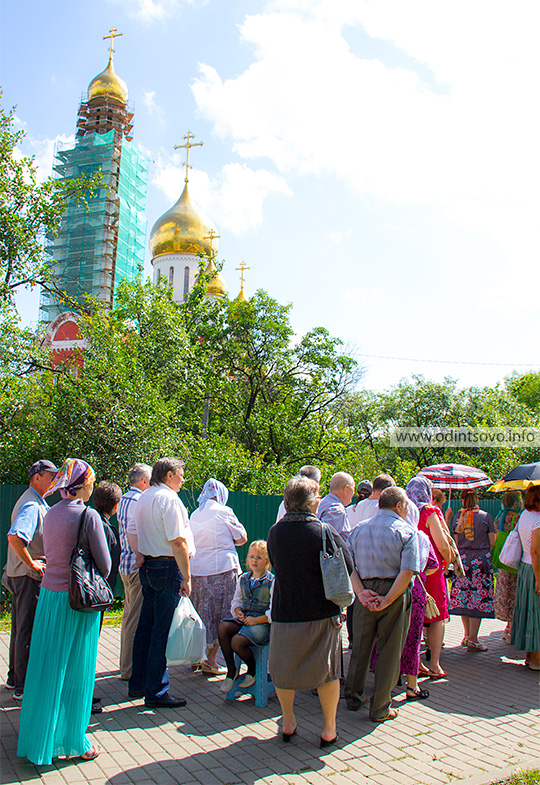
(212, 236)
(113, 33)
(188, 145)
(242, 268)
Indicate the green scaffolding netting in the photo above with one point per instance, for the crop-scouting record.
(96, 248)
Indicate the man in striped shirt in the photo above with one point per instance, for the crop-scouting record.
(139, 480)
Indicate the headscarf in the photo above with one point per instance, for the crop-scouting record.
(73, 474)
(213, 489)
(419, 491)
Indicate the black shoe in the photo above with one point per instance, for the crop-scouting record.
(132, 694)
(328, 742)
(165, 702)
(96, 708)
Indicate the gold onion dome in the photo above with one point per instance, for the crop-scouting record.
(241, 298)
(182, 229)
(108, 83)
(216, 285)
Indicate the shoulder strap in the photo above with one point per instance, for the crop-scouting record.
(82, 522)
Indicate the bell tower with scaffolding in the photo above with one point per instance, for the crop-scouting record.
(97, 248)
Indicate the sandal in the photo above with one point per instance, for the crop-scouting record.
(215, 670)
(422, 670)
(416, 695)
(475, 646)
(392, 714)
(92, 753)
(465, 641)
(437, 674)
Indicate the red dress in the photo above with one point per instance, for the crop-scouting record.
(436, 582)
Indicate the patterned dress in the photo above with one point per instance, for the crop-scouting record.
(505, 585)
(473, 595)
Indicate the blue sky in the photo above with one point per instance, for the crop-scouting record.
(374, 163)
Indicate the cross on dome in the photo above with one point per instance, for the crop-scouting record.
(212, 236)
(113, 33)
(242, 268)
(188, 145)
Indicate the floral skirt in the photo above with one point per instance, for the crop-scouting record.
(212, 595)
(473, 595)
(505, 595)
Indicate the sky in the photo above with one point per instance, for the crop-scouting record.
(373, 162)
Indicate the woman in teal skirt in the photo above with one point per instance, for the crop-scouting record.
(526, 621)
(61, 669)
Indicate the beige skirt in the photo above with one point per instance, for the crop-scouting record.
(305, 655)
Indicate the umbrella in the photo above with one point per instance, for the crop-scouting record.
(519, 479)
(455, 476)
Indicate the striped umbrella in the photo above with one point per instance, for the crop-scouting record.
(519, 479)
(455, 476)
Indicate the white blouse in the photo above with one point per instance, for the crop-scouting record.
(528, 521)
(215, 527)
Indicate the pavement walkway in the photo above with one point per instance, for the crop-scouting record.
(484, 718)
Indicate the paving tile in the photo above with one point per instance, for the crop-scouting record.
(459, 731)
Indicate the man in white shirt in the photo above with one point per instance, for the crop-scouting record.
(370, 506)
(139, 481)
(161, 534)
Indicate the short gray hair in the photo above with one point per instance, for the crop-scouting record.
(391, 496)
(162, 467)
(138, 472)
(299, 492)
(310, 471)
(339, 480)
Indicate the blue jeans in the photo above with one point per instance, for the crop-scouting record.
(160, 581)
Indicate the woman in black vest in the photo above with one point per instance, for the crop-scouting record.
(305, 632)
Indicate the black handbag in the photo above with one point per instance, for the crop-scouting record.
(87, 588)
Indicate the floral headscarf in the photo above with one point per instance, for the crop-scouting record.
(213, 489)
(73, 474)
(419, 491)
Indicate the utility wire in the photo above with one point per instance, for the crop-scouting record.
(448, 362)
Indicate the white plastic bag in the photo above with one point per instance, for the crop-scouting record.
(512, 550)
(186, 643)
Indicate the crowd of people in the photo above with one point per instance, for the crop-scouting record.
(398, 549)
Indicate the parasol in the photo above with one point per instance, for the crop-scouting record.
(455, 476)
(519, 479)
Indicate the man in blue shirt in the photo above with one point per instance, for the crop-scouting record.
(387, 556)
(24, 569)
(139, 481)
(331, 508)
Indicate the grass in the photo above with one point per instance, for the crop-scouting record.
(531, 777)
(112, 618)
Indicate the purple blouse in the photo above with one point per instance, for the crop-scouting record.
(60, 528)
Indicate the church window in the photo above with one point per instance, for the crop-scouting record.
(171, 276)
(186, 281)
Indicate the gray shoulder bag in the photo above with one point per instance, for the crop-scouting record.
(336, 580)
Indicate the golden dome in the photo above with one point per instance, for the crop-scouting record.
(241, 296)
(216, 285)
(182, 229)
(108, 83)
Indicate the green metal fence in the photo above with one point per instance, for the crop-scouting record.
(257, 513)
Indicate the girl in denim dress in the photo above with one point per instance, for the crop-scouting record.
(250, 622)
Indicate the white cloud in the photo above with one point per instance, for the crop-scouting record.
(233, 199)
(42, 150)
(149, 11)
(154, 110)
(311, 105)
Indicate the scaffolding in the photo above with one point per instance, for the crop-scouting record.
(98, 247)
